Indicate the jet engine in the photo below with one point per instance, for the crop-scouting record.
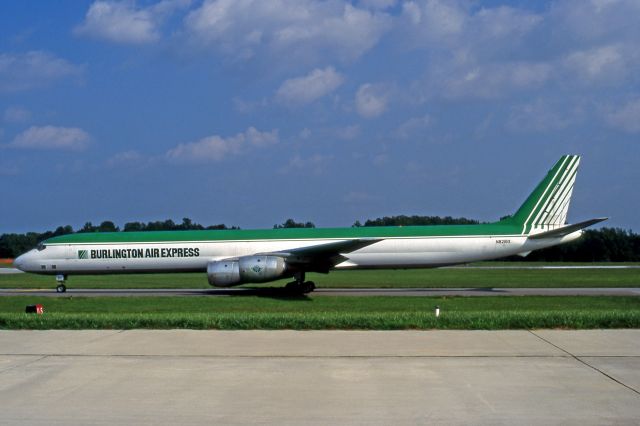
(246, 269)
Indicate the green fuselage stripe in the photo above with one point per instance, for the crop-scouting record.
(287, 234)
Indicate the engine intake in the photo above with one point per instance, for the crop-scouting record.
(245, 269)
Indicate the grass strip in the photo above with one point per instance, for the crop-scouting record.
(327, 320)
(315, 304)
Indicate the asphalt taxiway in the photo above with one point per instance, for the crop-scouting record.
(167, 377)
(281, 291)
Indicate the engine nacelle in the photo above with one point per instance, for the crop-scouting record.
(245, 269)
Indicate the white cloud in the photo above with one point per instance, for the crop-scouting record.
(543, 115)
(627, 117)
(413, 126)
(443, 18)
(378, 4)
(294, 30)
(124, 158)
(51, 137)
(371, 100)
(306, 89)
(33, 69)
(503, 23)
(476, 52)
(124, 22)
(217, 148)
(595, 20)
(245, 107)
(315, 164)
(600, 63)
(16, 114)
(492, 80)
(443, 24)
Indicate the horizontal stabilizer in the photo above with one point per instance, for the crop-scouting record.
(566, 230)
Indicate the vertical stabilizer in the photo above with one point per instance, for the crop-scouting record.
(547, 206)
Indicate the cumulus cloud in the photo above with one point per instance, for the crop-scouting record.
(245, 107)
(595, 20)
(494, 79)
(473, 52)
(124, 22)
(440, 18)
(51, 137)
(371, 100)
(626, 118)
(543, 115)
(217, 148)
(124, 158)
(33, 69)
(16, 114)
(292, 29)
(599, 63)
(315, 163)
(306, 89)
(413, 126)
(378, 4)
(502, 23)
(454, 23)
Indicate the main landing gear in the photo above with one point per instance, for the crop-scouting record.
(300, 286)
(61, 288)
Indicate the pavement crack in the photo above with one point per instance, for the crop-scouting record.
(40, 358)
(585, 363)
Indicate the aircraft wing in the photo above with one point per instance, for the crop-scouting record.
(322, 256)
(566, 230)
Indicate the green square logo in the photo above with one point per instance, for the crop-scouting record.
(83, 254)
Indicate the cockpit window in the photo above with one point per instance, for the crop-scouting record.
(41, 247)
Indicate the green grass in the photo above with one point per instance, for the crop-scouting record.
(324, 321)
(430, 278)
(383, 313)
(307, 304)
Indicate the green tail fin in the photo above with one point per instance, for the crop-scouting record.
(547, 206)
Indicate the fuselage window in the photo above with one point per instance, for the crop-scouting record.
(41, 247)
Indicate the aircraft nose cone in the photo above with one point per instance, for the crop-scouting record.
(18, 262)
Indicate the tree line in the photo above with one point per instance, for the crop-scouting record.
(596, 245)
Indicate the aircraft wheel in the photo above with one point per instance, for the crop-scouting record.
(300, 288)
(61, 288)
(308, 287)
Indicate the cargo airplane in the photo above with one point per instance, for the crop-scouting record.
(234, 257)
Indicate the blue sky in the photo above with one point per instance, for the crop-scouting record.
(248, 112)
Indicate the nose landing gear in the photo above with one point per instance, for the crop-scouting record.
(61, 288)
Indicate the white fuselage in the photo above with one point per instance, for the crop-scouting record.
(394, 252)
